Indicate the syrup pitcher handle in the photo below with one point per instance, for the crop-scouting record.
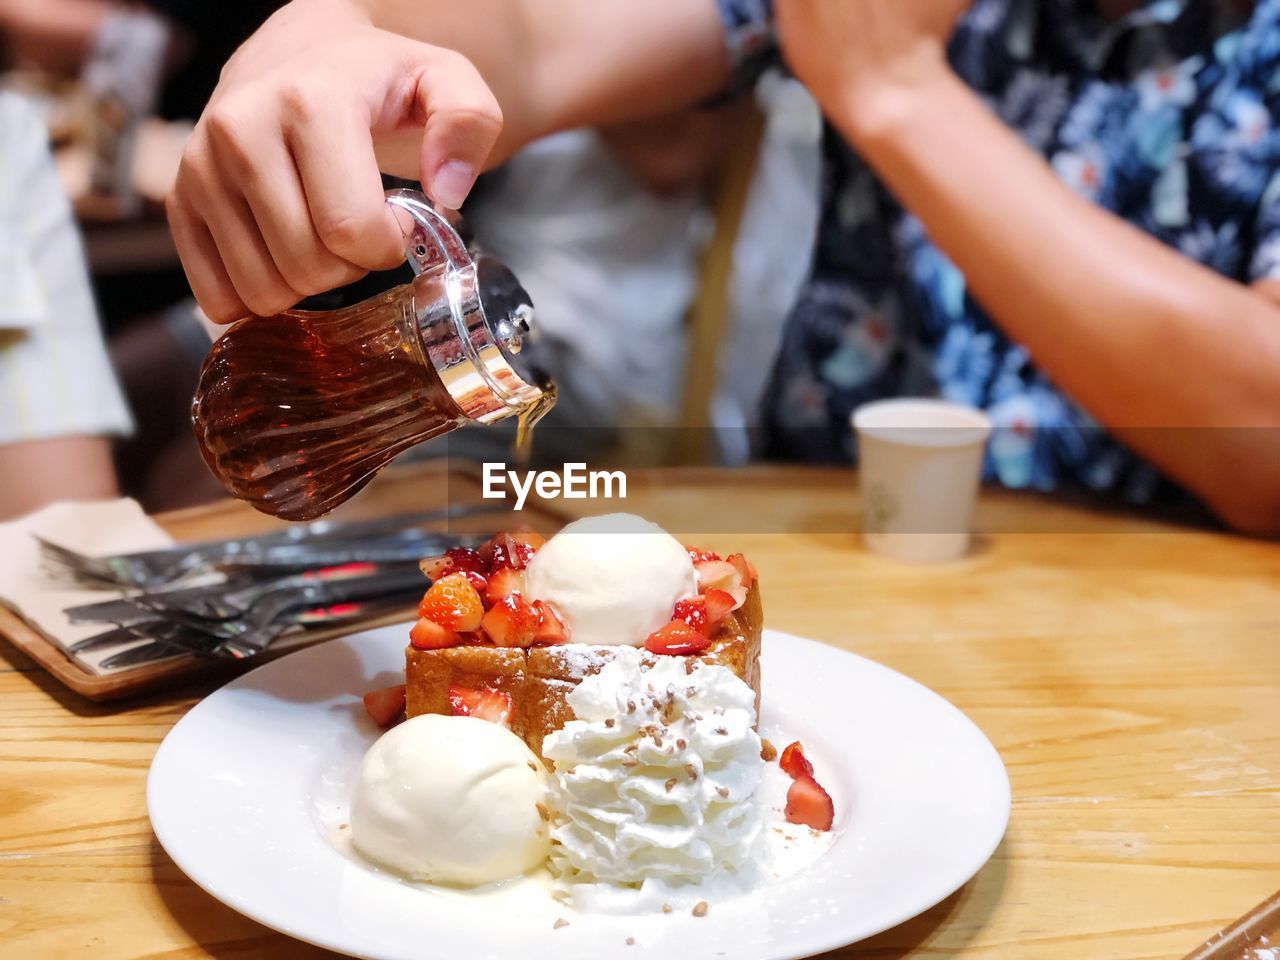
(434, 240)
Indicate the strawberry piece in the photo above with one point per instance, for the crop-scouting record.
(483, 704)
(717, 574)
(677, 638)
(511, 622)
(385, 706)
(794, 762)
(465, 558)
(809, 805)
(551, 629)
(504, 551)
(454, 603)
(693, 612)
(436, 567)
(530, 538)
(746, 569)
(429, 635)
(719, 604)
(698, 555)
(477, 580)
(503, 583)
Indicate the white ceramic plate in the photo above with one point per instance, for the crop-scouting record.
(243, 789)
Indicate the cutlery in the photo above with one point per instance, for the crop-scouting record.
(220, 601)
(384, 539)
(167, 645)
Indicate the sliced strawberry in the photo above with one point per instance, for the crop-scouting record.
(504, 550)
(551, 629)
(511, 622)
(465, 558)
(385, 705)
(719, 604)
(453, 602)
(530, 538)
(746, 569)
(436, 567)
(429, 635)
(503, 583)
(477, 580)
(794, 762)
(677, 638)
(484, 704)
(809, 805)
(698, 555)
(693, 612)
(717, 574)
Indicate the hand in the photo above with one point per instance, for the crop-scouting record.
(855, 55)
(279, 196)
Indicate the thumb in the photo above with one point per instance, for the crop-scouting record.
(462, 123)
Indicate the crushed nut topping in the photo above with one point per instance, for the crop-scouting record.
(691, 770)
(681, 744)
(722, 732)
(768, 752)
(608, 721)
(631, 941)
(700, 908)
(543, 812)
(666, 908)
(562, 922)
(723, 791)
(671, 784)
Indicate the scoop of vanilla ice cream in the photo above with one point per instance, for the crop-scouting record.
(451, 800)
(613, 579)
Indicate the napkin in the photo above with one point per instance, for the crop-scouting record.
(97, 528)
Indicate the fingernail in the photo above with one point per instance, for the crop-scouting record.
(452, 183)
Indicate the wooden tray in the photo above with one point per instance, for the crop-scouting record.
(405, 489)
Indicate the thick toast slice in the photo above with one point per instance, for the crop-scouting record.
(539, 679)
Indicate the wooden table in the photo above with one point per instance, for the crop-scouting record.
(1128, 672)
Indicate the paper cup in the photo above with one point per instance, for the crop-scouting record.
(920, 464)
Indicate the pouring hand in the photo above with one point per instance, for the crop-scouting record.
(279, 196)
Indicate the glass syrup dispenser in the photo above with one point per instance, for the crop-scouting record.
(296, 412)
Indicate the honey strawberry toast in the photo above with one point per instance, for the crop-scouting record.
(508, 630)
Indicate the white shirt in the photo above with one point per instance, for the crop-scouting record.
(55, 378)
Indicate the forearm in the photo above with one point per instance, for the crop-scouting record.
(1141, 336)
(557, 64)
(54, 36)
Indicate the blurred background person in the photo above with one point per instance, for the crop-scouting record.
(59, 402)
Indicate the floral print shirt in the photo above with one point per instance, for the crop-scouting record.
(1169, 118)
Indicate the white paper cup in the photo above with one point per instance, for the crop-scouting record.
(920, 464)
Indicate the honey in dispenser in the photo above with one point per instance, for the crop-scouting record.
(295, 413)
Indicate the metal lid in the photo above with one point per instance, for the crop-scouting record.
(475, 320)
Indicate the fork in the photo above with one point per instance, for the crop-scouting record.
(242, 630)
(311, 618)
(216, 602)
(387, 538)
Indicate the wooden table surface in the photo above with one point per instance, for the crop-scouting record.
(1128, 673)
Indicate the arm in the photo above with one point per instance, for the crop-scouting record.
(1141, 336)
(55, 35)
(279, 197)
(36, 472)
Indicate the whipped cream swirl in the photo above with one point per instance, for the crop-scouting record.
(654, 781)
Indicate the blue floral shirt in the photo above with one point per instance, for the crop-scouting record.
(1169, 118)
